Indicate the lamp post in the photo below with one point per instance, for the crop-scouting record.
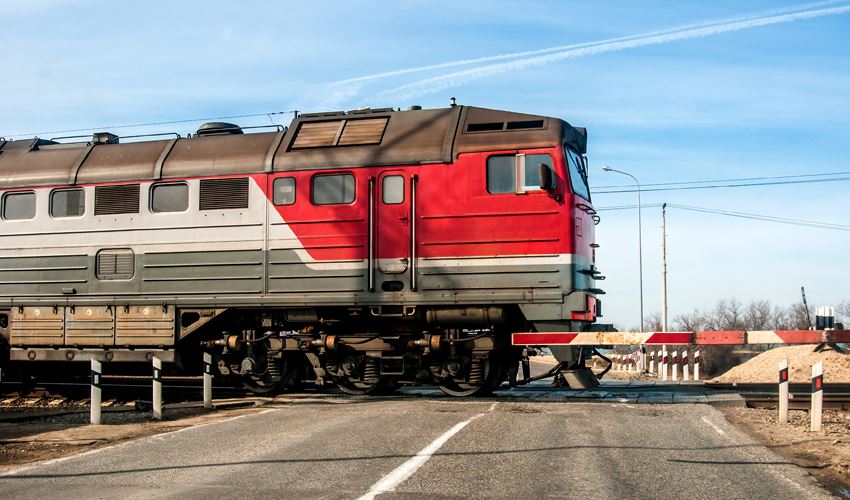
(640, 244)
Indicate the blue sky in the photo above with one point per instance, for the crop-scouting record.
(759, 101)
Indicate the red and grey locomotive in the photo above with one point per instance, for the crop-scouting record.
(368, 248)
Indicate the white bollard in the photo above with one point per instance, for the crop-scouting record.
(208, 379)
(96, 373)
(696, 365)
(783, 391)
(675, 366)
(652, 362)
(642, 366)
(686, 372)
(817, 396)
(666, 364)
(658, 364)
(157, 388)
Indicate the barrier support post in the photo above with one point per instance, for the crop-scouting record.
(208, 380)
(675, 366)
(157, 388)
(696, 365)
(686, 369)
(652, 362)
(817, 396)
(783, 391)
(96, 373)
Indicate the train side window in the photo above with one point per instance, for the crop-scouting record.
(19, 206)
(284, 191)
(501, 174)
(67, 203)
(392, 189)
(333, 189)
(171, 197)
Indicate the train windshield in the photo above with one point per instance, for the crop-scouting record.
(578, 174)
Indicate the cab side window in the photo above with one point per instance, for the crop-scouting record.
(515, 173)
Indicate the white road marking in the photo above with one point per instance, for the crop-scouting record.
(155, 437)
(718, 429)
(402, 472)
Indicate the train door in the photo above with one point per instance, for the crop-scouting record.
(395, 231)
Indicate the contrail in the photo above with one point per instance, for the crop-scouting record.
(438, 83)
(560, 48)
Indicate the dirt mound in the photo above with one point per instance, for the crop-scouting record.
(764, 368)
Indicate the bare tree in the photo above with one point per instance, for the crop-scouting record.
(727, 315)
(693, 322)
(843, 311)
(779, 318)
(757, 315)
(652, 323)
(798, 319)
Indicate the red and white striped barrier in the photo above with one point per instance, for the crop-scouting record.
(736, 337)
(686, 373)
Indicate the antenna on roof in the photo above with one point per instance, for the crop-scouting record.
(452, 102)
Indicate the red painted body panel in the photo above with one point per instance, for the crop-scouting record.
(456, 216)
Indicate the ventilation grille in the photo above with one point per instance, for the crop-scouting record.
(115, 264)
(220, 194)
(503, 126)
(111, 200)
(357, 132)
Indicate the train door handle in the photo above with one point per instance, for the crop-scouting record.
(403, 218)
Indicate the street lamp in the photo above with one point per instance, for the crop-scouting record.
(606, 168)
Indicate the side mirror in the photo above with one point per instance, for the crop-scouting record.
(547, 177)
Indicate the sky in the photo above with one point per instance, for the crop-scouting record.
(669, 92)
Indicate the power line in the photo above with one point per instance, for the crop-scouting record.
(765, 218)
(740, 215)
(749, 184)
(152, 124)
(739, 179)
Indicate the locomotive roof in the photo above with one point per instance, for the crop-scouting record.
(315, 141)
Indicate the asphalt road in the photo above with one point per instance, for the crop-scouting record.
(433, 447)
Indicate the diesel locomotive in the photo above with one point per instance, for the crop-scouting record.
(367, 249)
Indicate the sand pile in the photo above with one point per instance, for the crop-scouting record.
(764, 368)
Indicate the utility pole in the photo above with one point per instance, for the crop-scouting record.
(664, 267)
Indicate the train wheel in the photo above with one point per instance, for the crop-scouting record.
(483, 378)
(272, 380)
(370, 383)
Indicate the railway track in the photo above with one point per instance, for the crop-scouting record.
(835, 396)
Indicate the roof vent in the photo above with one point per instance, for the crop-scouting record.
(219, 128)
(104, 138)
(414, 108)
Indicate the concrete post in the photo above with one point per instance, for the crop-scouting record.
(686, 369)
(666, 367)
(696, 365)
(208, 379)
(658, 364)
(817, 396)
(675, 366)
(96, 373)
(783, 391)
(652, 362)
(157, 388)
